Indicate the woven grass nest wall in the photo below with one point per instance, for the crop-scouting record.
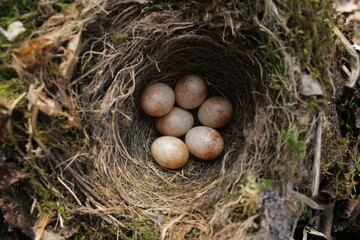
(123, 133)
(98, 156)
(163, 47)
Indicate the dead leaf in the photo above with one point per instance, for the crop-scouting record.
(312, 232)
(67, 230)
(340, 19)
(9, 174)
(347, 6)
(69, 58)
(14, 29)
(40, 225)
(37, 98)
(29, 54)
(60, 28)
(16, 212)
(351, 205)
(48, 235)
(310, 86)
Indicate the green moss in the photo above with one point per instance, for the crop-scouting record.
(294, 143)
(357, 164)
(78, 236)
(86, 66)
(10, 90)
(310, 34)
(273, 61)
(119, 38)
(46, 198)
(269, 184)
(346, 108)
(305, 215)
(314, 103)
(335, 157)
(161, 5)
(62, 5)
(155, 6)
(12, 10)
(63, 212)
(296, 148)
(138, 228)
(150, 235)
(193, 234)
(249, 192)
(141, 228)
(334, 153)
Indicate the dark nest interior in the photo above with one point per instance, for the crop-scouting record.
(164, 48)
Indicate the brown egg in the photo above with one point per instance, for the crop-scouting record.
(190, 91)
(170, 152)
(215, 112)
(176, 123)
(204, 142)
(157, 99)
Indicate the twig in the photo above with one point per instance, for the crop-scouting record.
(163, 232)
(16, 101)
(308, 201)
(312, 232)
(316, 168)
(355, 64)
(71, 192)
(327, 221)
(110, 217)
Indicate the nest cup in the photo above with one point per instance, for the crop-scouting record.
(124, 133)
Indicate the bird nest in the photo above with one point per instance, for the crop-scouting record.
(163, 47)
(108, 157)
(124, 133)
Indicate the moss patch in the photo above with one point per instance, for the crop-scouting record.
(310, 24)
(10, 90)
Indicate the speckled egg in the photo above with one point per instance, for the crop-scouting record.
(170, 152)
(204, 142)
(190, 91)
(157, 99)
(176, 123)
(215, 112)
